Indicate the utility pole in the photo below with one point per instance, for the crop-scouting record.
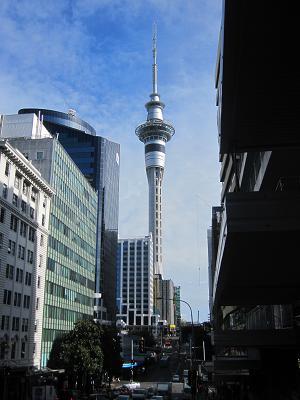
(132, 361)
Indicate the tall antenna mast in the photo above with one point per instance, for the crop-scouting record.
(154, 66)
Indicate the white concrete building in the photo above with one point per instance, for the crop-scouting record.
(135, 281)
(24, 214)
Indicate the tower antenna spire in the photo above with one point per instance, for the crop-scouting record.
(154, 65)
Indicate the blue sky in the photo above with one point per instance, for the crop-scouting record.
(95, 56)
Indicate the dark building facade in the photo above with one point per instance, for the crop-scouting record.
(99, 160)
(255, 233)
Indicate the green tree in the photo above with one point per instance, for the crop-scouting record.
(79, 352)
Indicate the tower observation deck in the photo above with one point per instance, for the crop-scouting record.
(154, 133)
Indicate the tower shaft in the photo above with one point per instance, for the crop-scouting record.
(155, 177)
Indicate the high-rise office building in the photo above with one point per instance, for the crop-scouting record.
(98, 159)
(154, 133)
(71, 256)
(135, 281)
(25, 199)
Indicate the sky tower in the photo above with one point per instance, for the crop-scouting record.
(154, 133)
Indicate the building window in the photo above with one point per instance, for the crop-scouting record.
(19, 275)
(24, 324)
(23, 350)
(39, 155)
(43, 219)
(11, 247)
(23, 229)
(7, 168)
(17, 299)
(4, 191)
(26, 301)
(42, 240)
(13, 350)
(15, 324)
(23, 206)
(31, 212)
(15, 200)
(31, 235)
(13, 223)
(4, 322)
(30, 256)
(33, 195)
(2, 215)
(17, 181)
(25, 188)
(37, 303)
(7, 297)
(28, 279)
(39, 282)
(9, 273)
(21, 252)
(1, 240)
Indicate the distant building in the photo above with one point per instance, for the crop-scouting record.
(71, 258)
(177, 305)
(135, 281)
(99, 160)
(25, 200)
(165, 299)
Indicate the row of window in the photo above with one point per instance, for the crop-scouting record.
(10, 273)
(70, 254)
(69, 213)
(68, 273)
(5, 323)
(68, 294)
(7, 298)
(63, 314)
(4, 349)
(63, 228)
(24, 228)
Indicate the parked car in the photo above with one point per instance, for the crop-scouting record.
(132, 385)
(97, 396)
(175, 378)
(139, 394)
(150, 393)
(123, 397)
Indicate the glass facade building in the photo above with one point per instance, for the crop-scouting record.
(70, 274)
(98, 159)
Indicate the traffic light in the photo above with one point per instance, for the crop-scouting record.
(141, 345)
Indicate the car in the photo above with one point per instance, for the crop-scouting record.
(139, 394)
(123, 397)
(97, 396)
(132, 385)
(175, 378)
(185, 373)
(150, 392)
(157, 398)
